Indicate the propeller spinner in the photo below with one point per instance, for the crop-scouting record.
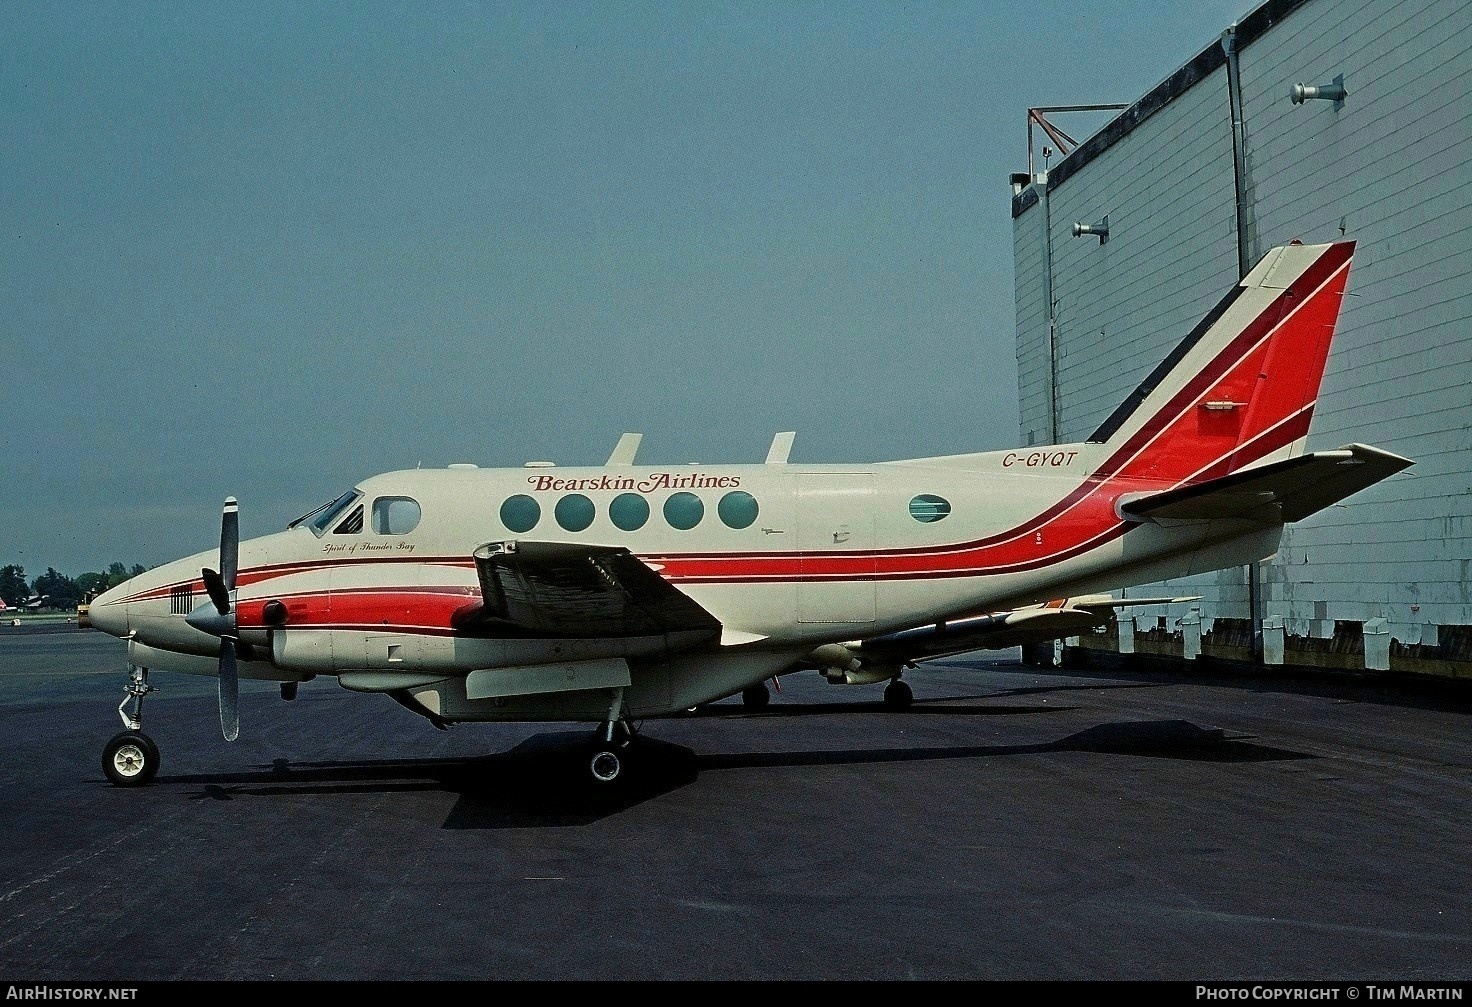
(218, 617)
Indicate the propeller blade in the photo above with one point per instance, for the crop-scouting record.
(229, 691)
(214, 584)
(229, 542)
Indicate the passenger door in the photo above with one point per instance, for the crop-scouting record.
(835, 520)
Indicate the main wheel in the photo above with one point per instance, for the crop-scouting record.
(604, 766)
(756, 697)
(130, 759)
(898, 695)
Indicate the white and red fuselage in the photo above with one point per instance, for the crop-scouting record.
(785, 556)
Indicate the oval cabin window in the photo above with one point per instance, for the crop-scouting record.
(737, 509)
(683, 511)
(628, 511)
(520, 513)
(927, 508)
(574, 512)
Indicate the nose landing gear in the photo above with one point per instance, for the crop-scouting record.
(130, 759)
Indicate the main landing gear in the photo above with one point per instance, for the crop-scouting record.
(898, 695)
(610, 748)
(756, 697)
(130, 759)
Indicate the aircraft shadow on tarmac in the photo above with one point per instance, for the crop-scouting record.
(1409, 691)
(536, 784)
(932, 706)
(1165, 739)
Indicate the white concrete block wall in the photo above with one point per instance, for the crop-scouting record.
(1393, 164)
(1171, 254)
(1032, 329)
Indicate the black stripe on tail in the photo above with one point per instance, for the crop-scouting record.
(1126, 409)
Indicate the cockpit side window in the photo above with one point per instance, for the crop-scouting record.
(395, 515)
(325, 516)
(352, 524)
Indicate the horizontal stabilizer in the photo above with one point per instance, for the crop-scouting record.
(1281, 492)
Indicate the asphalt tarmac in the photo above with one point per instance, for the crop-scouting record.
(1014, 824)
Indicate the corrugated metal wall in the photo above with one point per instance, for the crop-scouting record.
(1392, 165)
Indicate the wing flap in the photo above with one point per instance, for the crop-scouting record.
(566, 589)
(1281, 492)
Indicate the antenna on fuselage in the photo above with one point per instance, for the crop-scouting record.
(781, 447)
(625, 450)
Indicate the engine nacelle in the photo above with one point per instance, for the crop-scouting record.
(840, 665)
(863, 676)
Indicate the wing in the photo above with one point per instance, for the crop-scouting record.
(1054, 620)
(985, 632)
(1103, 605)
(1283, 491)
(561, 589)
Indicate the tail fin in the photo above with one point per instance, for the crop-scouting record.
(1240, 389)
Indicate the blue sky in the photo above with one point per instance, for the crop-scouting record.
(270, 249)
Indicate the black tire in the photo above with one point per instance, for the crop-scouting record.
(756, 697)
(604, 766)
(898, 695)
(130, 759)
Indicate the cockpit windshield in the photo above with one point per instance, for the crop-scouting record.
(321, 518)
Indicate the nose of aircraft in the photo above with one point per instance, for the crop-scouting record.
(108, 613)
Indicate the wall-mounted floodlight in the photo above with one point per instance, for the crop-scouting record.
(1020, 180)
(1101, 229)
(1334, 92)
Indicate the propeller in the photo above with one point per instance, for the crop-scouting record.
(218, 617)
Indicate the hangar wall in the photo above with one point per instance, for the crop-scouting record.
(1383, 580)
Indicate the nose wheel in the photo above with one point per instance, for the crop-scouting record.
(130, 759)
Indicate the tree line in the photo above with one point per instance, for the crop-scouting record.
(61, 591)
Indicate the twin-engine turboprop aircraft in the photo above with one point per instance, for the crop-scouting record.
(616, 593)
